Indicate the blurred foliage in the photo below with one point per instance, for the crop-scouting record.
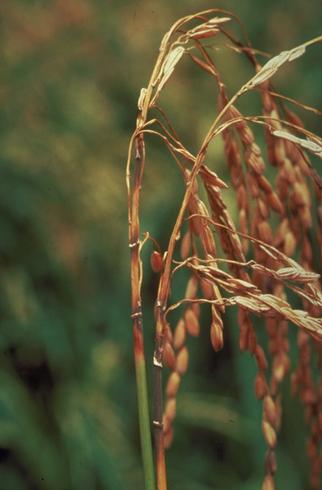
(71, 71)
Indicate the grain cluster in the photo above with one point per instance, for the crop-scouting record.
(255, 260)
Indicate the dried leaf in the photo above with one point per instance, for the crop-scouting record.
(304, 143)
(297, 274)
(296, 52)
(170, 62)
(218, 20)
(172, 59)
(271, 67)
(251, 304)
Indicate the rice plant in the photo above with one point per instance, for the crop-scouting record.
(262, 262)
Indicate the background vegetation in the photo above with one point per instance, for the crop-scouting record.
(71, 72)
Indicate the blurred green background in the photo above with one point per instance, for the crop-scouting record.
(70, 75)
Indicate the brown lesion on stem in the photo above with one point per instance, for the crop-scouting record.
(138, 334)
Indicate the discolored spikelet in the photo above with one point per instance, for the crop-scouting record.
(191, 289)
(216, 336)
(179, 334)
(156, 261)
(269, 408)
(168, 438)
(269, 434)
(261, 388)
(185, 245)
(169, 356)
(182, 360)
(270, 462)
(192, 323)
(268, 483)
(170, 409)
(173, 384)
(260, 358)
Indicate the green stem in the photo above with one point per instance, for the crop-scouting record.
(144, 422)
